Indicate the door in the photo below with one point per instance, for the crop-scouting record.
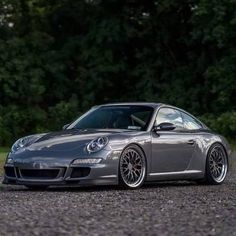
(171, 150)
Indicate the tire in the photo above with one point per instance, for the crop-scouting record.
(132, 167)
(36, 187)
(216, 165)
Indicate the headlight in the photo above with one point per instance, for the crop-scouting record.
(87, 161)
(23, 142)
(97, 144)
(9, 160)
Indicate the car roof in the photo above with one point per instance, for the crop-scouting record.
(150, 104)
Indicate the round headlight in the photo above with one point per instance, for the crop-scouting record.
(23, 142)
(20, 143)
(97, 144)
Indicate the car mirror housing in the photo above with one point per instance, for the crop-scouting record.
(165, 126)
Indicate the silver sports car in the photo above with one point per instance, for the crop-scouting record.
(126, 144)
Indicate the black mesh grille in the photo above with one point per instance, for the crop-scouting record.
(79, 172)
(44, 174)
(9, 171)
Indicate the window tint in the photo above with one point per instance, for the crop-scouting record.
(169, 115)
(190, 123)
(140, 118)
(117, 117)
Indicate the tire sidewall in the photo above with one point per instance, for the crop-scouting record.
(208, 176)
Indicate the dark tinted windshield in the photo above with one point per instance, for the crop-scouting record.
(117, 117)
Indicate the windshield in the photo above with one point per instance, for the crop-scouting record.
(116, 117)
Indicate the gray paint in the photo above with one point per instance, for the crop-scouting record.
(169, 154)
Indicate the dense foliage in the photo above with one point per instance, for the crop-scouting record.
(58, 58)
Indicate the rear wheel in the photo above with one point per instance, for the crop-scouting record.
(132, 167)
(216, 165)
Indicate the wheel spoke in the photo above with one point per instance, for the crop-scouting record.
(129, 176)
(132, 167)
(217, 163)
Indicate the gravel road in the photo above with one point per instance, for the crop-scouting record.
(174, 208)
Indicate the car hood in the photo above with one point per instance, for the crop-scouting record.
(69, 139)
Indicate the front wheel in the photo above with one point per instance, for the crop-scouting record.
(216, 165)
(132, 167)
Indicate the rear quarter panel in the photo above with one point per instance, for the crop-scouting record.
(204, 141)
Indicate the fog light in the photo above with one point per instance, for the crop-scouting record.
(87, 161)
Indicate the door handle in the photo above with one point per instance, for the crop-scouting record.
(190, 142)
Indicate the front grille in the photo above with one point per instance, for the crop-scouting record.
(39, 174)
(79, 172)
(10, 172)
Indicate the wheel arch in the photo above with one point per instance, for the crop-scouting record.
(138, 145)
(218, 143)
(208, 178)
(143, 152)
(208, 150)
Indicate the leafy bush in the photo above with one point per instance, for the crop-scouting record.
(62, 113)
(15, 122)
(224, 123)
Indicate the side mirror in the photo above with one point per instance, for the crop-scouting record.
(65, 126)
(165, 126)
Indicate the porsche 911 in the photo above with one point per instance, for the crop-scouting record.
(125, 144)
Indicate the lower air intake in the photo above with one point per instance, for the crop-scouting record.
(9, 171)
(39, 174)
(79, 172)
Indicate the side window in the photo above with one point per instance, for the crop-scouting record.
(169, 115)
(190, 123)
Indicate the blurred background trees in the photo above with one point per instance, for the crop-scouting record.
(58, 58)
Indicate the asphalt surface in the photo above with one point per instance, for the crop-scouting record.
(173, 208)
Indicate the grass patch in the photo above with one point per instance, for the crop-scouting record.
(4, 149)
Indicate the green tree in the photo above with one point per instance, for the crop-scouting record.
(58, 58)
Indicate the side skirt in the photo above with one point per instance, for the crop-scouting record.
(187, 174)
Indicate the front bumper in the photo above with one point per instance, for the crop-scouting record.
(57, 168)
(39, 173)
